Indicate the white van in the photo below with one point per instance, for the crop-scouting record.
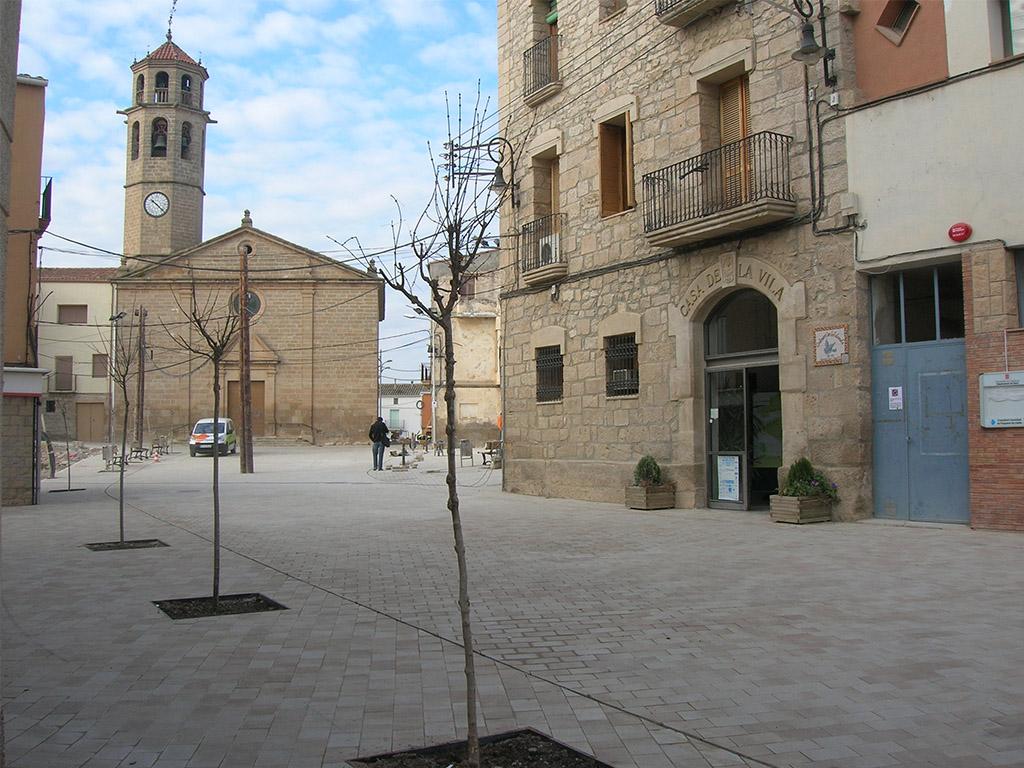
(202, 438)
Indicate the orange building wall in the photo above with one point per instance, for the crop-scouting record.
(26, 168)
(884, 68)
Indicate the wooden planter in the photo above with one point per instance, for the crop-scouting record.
(800, 509)
(650, 496)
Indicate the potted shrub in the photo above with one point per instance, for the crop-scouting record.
(647, 490)
(806, 496)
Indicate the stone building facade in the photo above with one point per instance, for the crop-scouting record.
(314, 327)
(681, 287)
(476, 331)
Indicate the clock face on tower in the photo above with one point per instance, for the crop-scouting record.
(156, 204)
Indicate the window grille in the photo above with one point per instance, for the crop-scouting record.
(549, 374)
(622, 371)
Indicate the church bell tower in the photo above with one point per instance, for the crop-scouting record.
(165, 153)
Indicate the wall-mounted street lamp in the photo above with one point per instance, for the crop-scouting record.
(496, 152)
(809, 52)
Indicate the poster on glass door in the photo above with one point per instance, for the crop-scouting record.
(728, 478)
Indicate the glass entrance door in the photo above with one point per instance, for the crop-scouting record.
(744, 436)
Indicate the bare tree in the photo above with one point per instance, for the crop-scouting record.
(122, 361)
(215, 331)
(454, 229)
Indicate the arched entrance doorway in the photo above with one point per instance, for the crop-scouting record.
(744, 405)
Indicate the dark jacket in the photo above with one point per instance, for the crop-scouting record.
(379, 432)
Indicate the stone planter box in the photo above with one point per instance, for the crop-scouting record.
(800, 509)
(650, 496)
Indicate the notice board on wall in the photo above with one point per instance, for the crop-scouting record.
(1002, 399)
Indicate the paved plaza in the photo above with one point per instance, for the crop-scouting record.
(649, 639)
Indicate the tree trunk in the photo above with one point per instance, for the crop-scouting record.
(472, 737)
(120, 470)
(216, 484)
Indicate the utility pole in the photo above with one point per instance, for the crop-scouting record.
(141, 396)
(245, 370)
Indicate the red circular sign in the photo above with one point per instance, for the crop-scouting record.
(960, 232)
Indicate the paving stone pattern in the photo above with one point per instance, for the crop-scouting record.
(616, 631)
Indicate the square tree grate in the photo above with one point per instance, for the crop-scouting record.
(226, 605)
(109, 546)
(517, 749)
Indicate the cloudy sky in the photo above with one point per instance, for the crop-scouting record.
(324, 109)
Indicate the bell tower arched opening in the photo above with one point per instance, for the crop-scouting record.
(743, 401)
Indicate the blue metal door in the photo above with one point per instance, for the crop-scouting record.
(919, 407)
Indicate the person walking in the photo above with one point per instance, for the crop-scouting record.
(379, 438)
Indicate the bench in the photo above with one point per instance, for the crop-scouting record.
(491, 449)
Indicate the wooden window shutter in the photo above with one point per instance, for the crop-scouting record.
(627, 160)
(734, 124)
(734, 110)
(611, 138)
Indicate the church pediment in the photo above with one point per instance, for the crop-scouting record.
(260, 353)
(273, 258)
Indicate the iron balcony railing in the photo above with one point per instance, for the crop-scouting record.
(540, 242)
(140, 97)
(661, 7)
(540, 65)
(754, 168)
(185, 97)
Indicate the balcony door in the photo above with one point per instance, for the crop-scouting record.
(734, 126)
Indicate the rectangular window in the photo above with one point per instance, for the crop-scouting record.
(467, 290)
(394, 401)
(615, 147)
(51, 406)
(925, 304)
(895, 19)
(1012, 13)
(99, 366)
(72, 314)
(63, 376)
(549, 374)
(1018, 259)
(609, 7)
(622, 371)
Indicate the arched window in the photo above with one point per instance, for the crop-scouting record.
(140, 89)
(160, 93)
(158, 138)
(186, 90)
(135, 140)
(743, 322)
(186, 140)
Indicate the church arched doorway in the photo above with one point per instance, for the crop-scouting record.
(744, 404)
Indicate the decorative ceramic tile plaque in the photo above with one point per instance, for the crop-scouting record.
(830, 345)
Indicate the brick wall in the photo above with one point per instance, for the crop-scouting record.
(16, 428)
(996, 455)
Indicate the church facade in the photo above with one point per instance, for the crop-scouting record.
(314, 321)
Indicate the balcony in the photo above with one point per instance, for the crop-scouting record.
(540, 71)
(542, 259)
(736, 187)
(680, 13)
(161, 95)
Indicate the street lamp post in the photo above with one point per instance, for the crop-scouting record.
(382, 365)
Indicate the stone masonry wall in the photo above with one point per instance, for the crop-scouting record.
(314, 345)
(996, 455)
(586, 445)
(16, 428)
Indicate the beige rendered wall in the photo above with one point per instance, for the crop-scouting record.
(884, 67)
(587, 445)
(961, 169)
(79, 341)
